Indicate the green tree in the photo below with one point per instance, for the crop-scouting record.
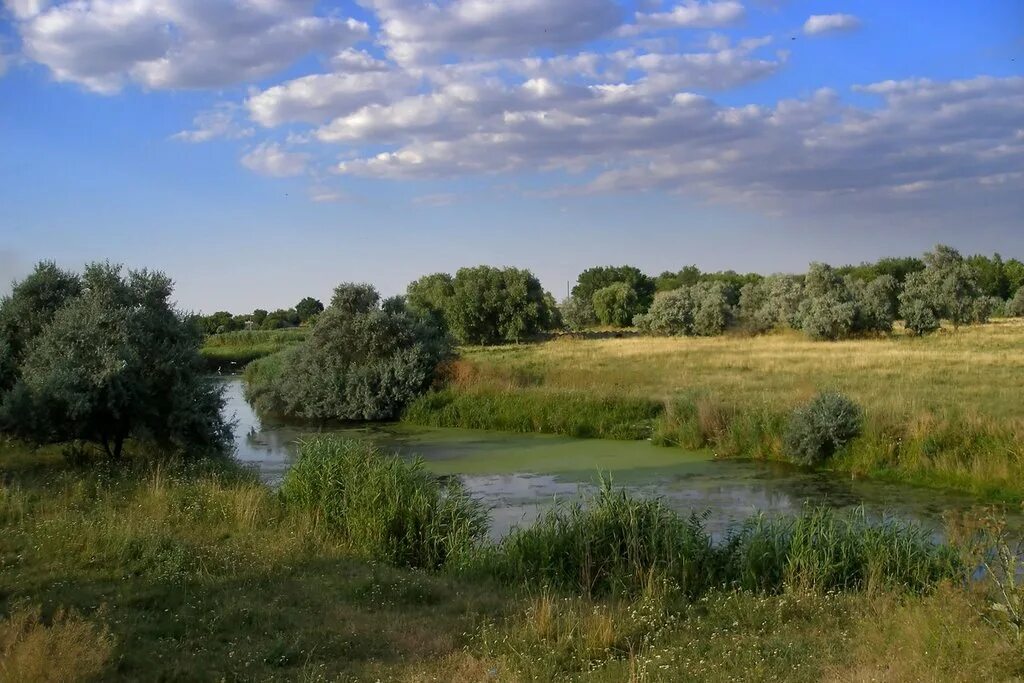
(258, 316)
(771, 302)
(876, 303)
(828, 309)
(30, 306)
(670, 314)
(669, 281)
(360, 362)
(493, 305)
(616, 304)
(117, 361)
(1015, 307)
(947, 287)
(577, 314)
(990, 274)
(431, 295)
(712, 310)
(1014, 271)
(308, 308)
(600, 277)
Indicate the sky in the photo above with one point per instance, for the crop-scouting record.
(259, 151)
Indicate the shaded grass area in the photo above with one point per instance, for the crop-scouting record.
(231, 351)
(163, 571)
(943, 411)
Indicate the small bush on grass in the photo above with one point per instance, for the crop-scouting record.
(68, 649)
(385, 508)
(820, 428)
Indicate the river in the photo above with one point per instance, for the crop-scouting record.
(519, 475)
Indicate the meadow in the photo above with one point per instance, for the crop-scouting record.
(163, 570)
(943, 410)
(231, 351)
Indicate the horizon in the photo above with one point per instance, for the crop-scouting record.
(260, 152)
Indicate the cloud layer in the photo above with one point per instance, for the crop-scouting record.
(598, 98)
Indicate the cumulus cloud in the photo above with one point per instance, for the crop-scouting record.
(415, 30)
(273, 160)
(104, 44)
(219, 122)
(688, 15)
(818, 24)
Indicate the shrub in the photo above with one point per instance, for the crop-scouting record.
(578, 314)
(946, 288)
(1015, 307)
(876, 303)
(771, 302)
(918, 316)
(820, 428)
(63, 648)
(670, 314)
(115, 362)
(829, 309)
(712, 313)
(359, 362)
(383, 507)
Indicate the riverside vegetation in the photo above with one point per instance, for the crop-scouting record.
(161, 569)
(134, 548)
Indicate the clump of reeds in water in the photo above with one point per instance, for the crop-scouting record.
(383, 507)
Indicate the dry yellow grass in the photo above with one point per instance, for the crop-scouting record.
(978, 369)
(68, 649)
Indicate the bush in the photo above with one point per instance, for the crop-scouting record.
(670, 314)
(876, 303)
(712, 313)
(616, 305)
(771, 302)
(359, 362)
(383, 507)
(117, 362)
(578, 314)
(1015, 307)
(918, 316)
(829, 309)
(817, 430)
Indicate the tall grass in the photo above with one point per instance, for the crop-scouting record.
(383, 507)
(570, 413)
(234, 350)
(65, 650)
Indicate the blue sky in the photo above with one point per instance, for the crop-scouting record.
(262, 150)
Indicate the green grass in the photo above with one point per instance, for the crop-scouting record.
(942, 411)
(171, 571)
(568, 413)
(231, 351)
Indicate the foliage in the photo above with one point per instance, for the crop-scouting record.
(308, 309)
(430, 295)
(701, 310)
(876, 303)
(946, 289)
(30, 306)
(383, 507)
(577, 314)
(1015, 307)
(828, 310)
(359, 362)
(616, 304)
(494, 305)
(896, 267)
(117, 362)
(821, 427)
(593, 279)
(770, 303)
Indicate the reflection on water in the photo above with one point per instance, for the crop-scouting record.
(518, 476)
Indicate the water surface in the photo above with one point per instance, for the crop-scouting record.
(519, 475)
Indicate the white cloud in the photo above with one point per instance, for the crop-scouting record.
(25, 9)
(818, 24)
(689, 14)
(104, 44)
(273, 160)
(219, 122)
(316, 98)
(415, 30)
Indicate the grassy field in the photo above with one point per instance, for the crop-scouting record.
(168, 572)
(232, 351)
(944, 410)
